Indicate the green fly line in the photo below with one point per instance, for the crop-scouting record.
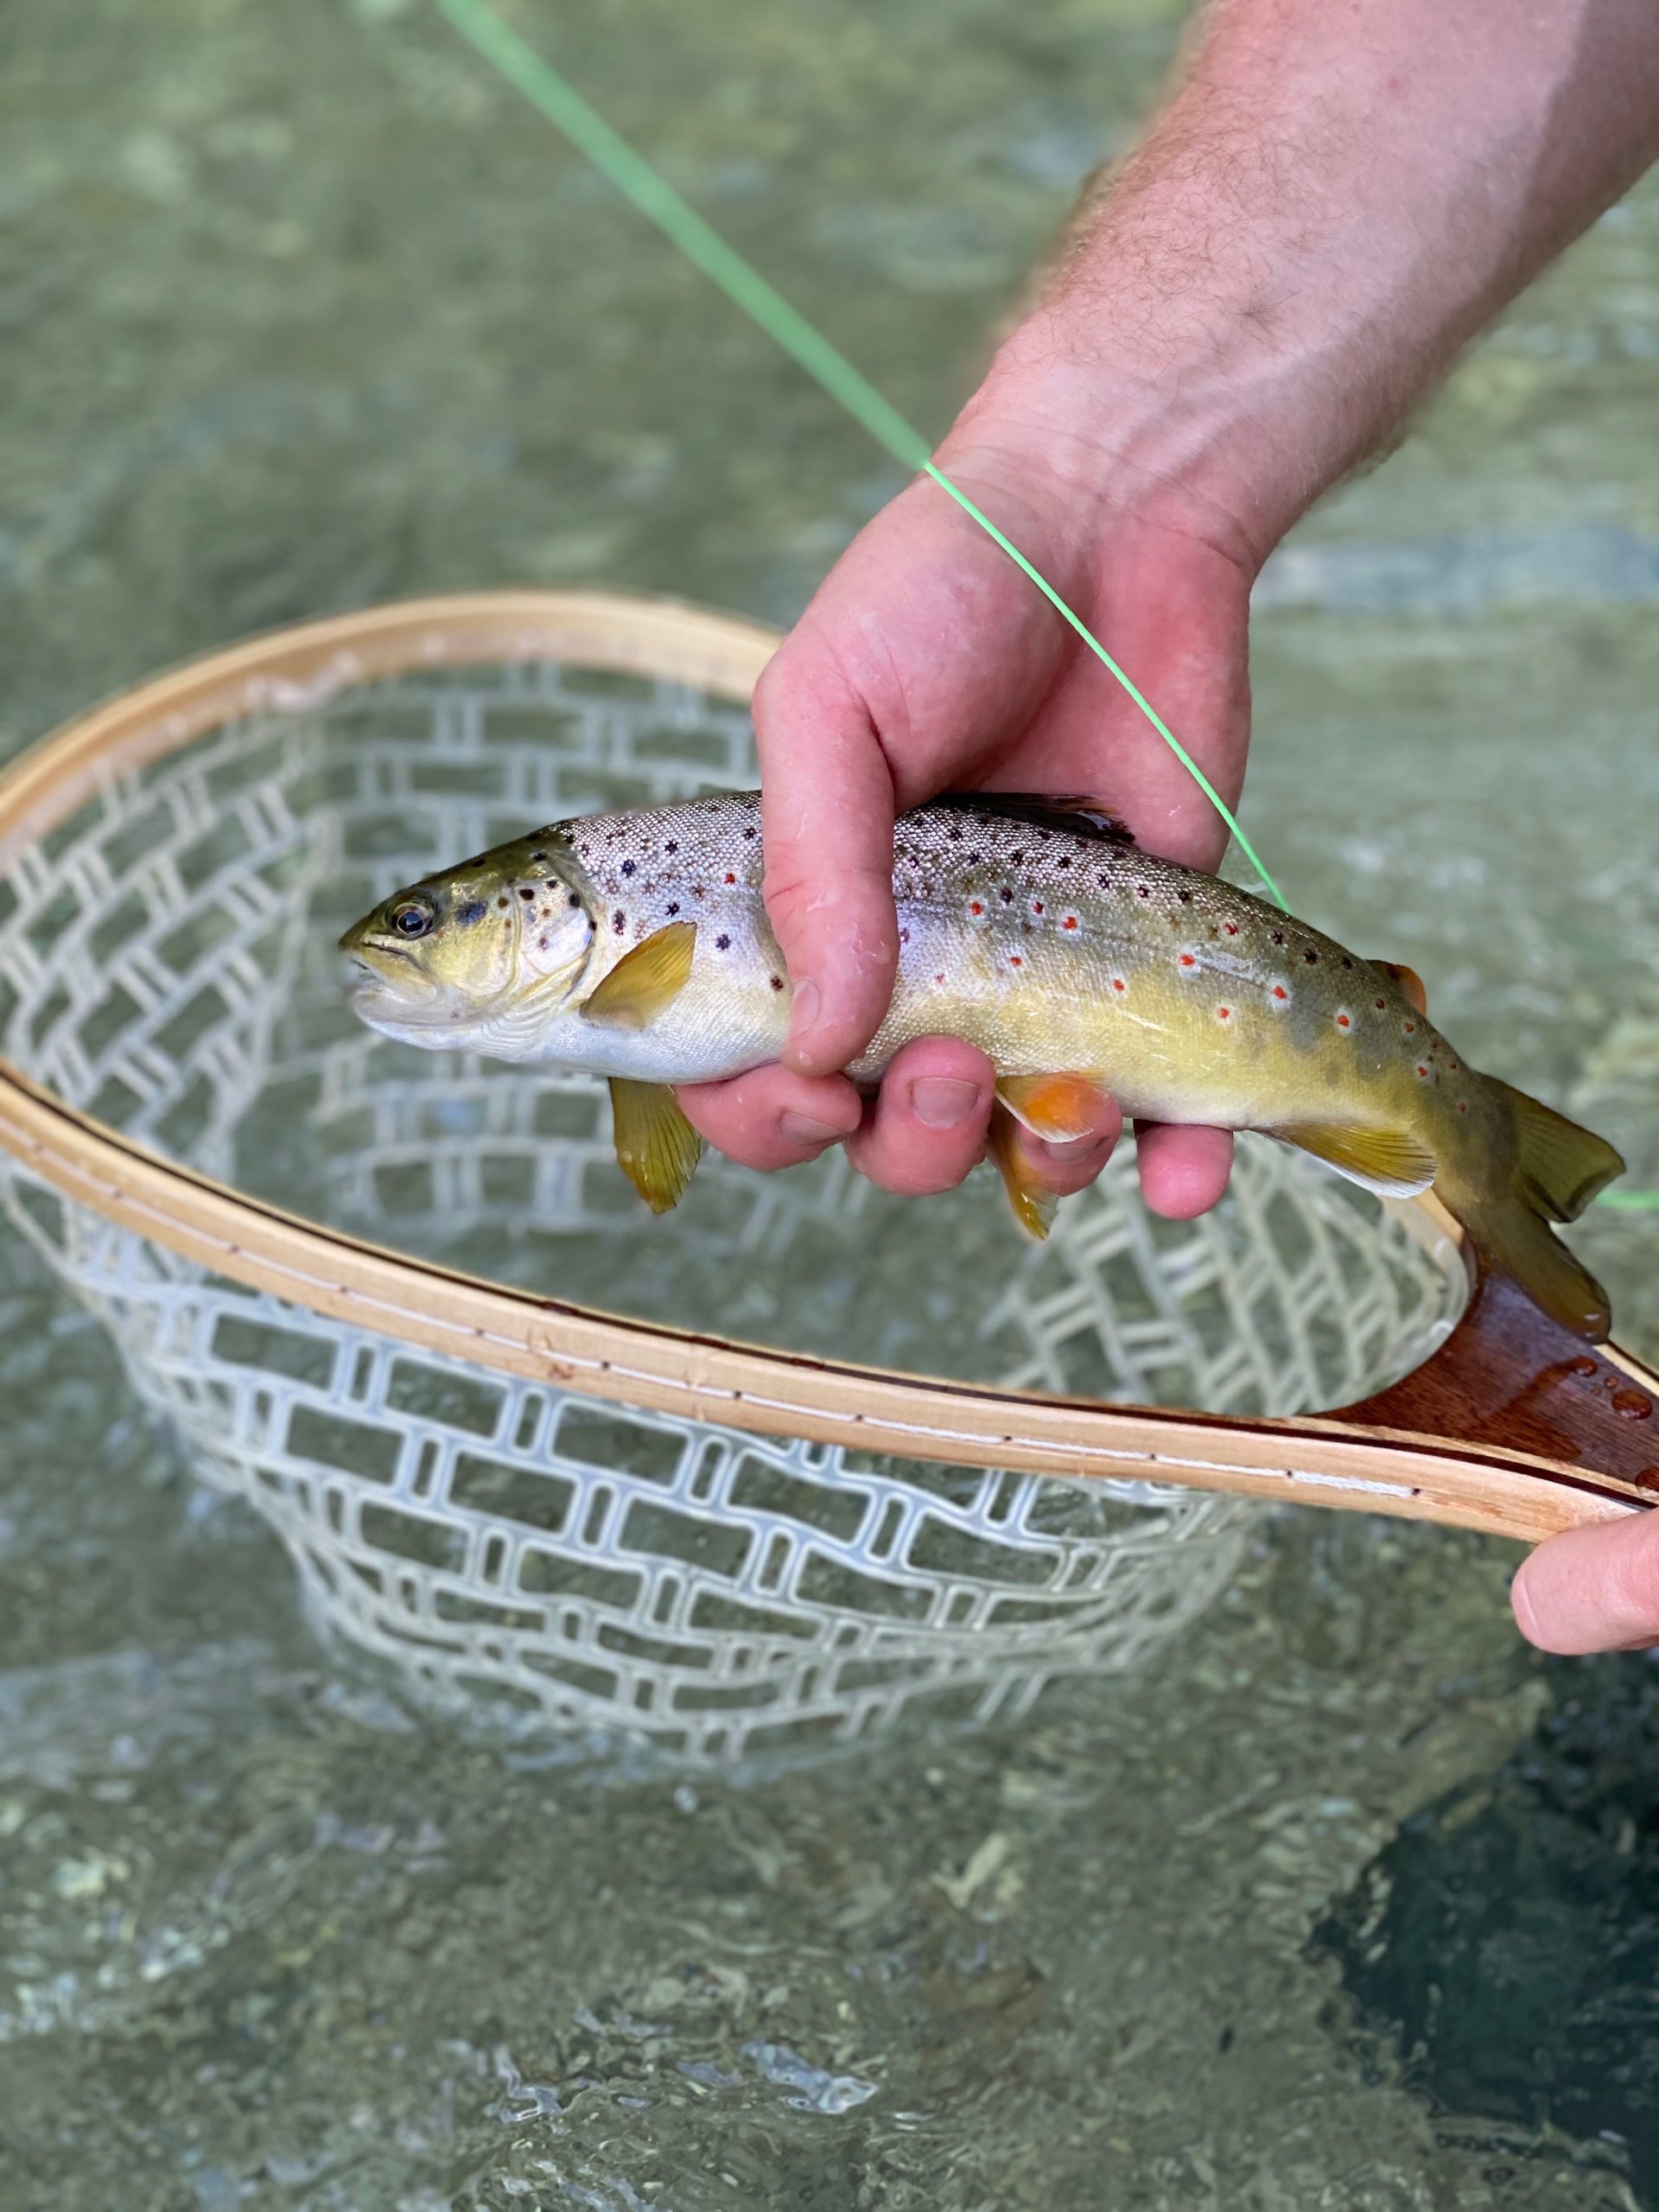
(514, 59)
(560, 102)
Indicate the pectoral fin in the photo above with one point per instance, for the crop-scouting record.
(1057, 1107)
(656, 1148)
(1409, 981)
(646, 980)
(1033, 1207)
(1387, 1161)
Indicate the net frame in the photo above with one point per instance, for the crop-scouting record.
(611, 1357)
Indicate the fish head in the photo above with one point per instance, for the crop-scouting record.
(478, 957)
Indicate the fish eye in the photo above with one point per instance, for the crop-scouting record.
(411, 918)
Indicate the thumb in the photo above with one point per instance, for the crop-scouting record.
(827, 815)
(1592, 1588)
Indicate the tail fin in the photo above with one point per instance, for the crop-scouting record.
(1559, 1168)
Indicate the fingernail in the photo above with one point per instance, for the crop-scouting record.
(801, 1129)
(803, 1009)
(1062, 1150)
(943, 1102)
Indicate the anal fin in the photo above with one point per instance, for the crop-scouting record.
(1387, 1161)
(656, 1148)
(1033, 1207)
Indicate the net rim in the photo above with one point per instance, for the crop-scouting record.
(1322, 1460)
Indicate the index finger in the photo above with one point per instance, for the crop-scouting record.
(827, 816)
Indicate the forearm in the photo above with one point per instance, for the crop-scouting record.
(1338, 196)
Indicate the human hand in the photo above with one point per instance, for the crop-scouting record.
(1332, 203)
(1595, 1588)
(927, 662)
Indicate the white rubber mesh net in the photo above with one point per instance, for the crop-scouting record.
(167, 963)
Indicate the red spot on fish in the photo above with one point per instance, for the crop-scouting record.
(1463, 1105)
(1280, 992)
(1036, 906)
(1343, 1021)
(1421, 1070)
(975, 906)
(730, 878)
(1380, 1004)
(1118, 984)
(1189, 960)
(938, 979)
(1014, 961)
(1231, 928)
(1223, 1014)
(1069, 923)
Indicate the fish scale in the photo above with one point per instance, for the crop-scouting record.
(636, 945)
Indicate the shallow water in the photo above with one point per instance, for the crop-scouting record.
(303, 313)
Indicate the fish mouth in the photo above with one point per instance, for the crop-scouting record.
(382, 979)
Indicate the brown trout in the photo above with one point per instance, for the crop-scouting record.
(636, 946)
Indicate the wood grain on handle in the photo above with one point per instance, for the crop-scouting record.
(1510, 1377)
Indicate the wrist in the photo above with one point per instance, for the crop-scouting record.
(1174, 449)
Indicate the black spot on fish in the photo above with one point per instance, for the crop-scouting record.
(777, 982)
(1278, 937)
(673, 905)
(573, 900)
(627, 867)
(722, 943)
(473, 911)
(1346, 962)
(1185, 898)
(672, 846)
(1312, 957)
(1017, 855)
(1006, 896)
(619, 921)
(504, 902)
(538, 857)
(1064, 860)
(751, 831)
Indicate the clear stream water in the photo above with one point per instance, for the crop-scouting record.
(1351, 1902)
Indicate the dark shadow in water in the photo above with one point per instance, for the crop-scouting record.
(1506, 1942)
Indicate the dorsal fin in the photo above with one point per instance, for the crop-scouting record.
(1077, 817)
